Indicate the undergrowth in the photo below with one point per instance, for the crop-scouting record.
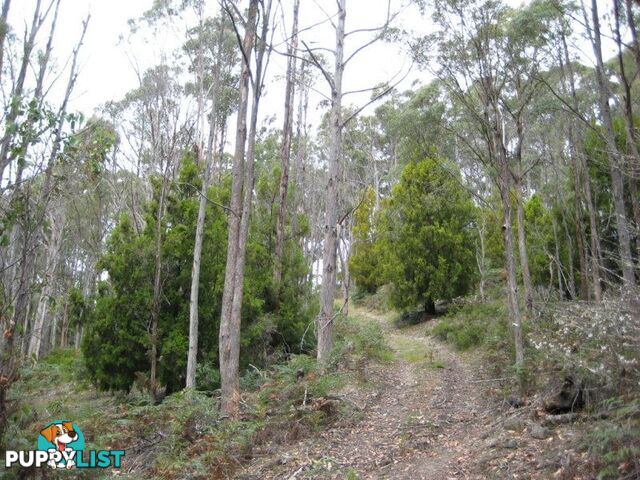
(184, 436)
(595, 344)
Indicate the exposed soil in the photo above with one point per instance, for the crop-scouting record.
(429, 415)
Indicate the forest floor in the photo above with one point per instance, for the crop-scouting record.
(411, 409)
(429, 413)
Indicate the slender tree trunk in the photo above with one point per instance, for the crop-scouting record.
(571, 281)
(157, 286)
(202, 208)
(78, 337)
(343, 255)
(582, 179)
(615, 159)
(4, 27)
(42, 311)
(64, 329)
(522, 249)
(18, 89)
(324, 322)
(632, 147)
(512, 285)
(54, 329)
(556, 256)
(504, 180)
(229, 342)
(481, 257)
(285, 153)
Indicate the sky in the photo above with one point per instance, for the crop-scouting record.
(111, 55)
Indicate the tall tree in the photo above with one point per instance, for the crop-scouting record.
(324, 323)
(206, 178)
(287, 130)
(229, 341)
(613, 152)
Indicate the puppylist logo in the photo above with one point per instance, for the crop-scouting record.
(61, 445)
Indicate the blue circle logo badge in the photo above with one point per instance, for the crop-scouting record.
(64, 437)
(61, 445)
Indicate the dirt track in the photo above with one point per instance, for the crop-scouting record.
(424, 419)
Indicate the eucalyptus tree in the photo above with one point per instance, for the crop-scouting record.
(488, 59)
(337, 121)
(616, 161)
(214, 33)
(34, 136)
(287, 132)
(241, 191)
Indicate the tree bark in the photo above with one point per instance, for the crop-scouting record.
(615, 159)
(324, 321)
(42, 311)
(229, 341)
(285, 153)
(192, 355)
(157, 286)
(583, 181)
(4, 27)
(522, 249)
(512, 286)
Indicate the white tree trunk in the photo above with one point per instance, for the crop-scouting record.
(229, 341)
(53, 256)
(324, 321)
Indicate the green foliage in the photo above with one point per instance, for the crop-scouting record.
(364, 262)
(362, 337)
(540, 242)
(426, 235)
(475, 324)
(117, 340)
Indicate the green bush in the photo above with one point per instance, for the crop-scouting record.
(362, 337)
(475, 324)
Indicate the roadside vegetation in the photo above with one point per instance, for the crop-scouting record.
(186, 436)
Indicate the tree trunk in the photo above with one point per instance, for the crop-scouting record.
(512, 285)
(53, 336)
(522, 249)
(42, 311)
(64, 329)
(615, 159)
(192, 355)
(4, 27)
(324, 321)
(634, 155)
(504, 180)
(285, 153)
(343, 255)
(229, 341)
(481, 257)
(571, 280)
(582, 179)
(157, 287)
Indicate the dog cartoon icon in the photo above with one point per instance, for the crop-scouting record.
(60, 434)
